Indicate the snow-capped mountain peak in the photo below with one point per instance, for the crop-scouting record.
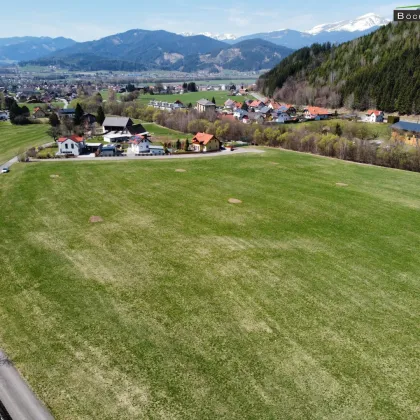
(219, 37)
(362, 23)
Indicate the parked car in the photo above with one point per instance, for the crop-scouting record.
(5, 170)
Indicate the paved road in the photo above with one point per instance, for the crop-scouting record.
(258, 96)
(16, 396)
(66, 103)
(9, 163)
(189, 156)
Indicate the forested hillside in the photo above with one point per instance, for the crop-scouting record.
(380, 70)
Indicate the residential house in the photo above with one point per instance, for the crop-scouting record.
(255, 117)
(265, 110)
(240, 113)
(282, 117)
(69, 113)
(39, 113)
(120, 129)
(73, 145)
(410, 132)
(374, 116)
(140, 144)
(316, 113)
(203, 142)
(204, 105)
(88, 119)
(229, 104)
(256, 104)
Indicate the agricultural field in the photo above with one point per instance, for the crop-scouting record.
(302, 301)
(16, 139)
(220, 96)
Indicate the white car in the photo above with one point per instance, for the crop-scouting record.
(5, 170)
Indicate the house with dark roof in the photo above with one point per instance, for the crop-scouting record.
(68, 112)
(204, 105)
(203, 142)
(409, 130)
(120, 129)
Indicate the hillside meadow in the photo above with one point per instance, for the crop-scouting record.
(300, 302)
(15, 139)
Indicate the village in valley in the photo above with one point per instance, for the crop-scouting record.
(121, 135)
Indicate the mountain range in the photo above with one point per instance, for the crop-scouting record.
(30, 48)
(140, 49)
(335, 33)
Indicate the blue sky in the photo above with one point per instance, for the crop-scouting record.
(85, 20)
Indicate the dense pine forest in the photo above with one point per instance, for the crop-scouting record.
(380, 70)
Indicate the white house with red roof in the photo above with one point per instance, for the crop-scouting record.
(73, 145)
(203, 142)
(373, 115)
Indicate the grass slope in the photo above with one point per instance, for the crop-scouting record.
(16, 139)
(220, 96)
(301, 302)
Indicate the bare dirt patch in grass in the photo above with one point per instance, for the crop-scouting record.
(180, 170)
(54, 176)
(341, 184)
(234, 201)
(95, 219)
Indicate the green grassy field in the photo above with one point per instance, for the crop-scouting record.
(164, 134)
(16, 139)
(220, 96)
(300, 303)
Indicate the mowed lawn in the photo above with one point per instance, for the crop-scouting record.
(15, 139)
(220, 97)
(160, 133)
(300, 302)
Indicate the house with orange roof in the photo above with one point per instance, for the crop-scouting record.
(373, 115)
(39, 113)
(203, 142)
(316, 113)
(72, 145)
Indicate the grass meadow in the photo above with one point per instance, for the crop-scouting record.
(163, 134)
(16, 139)
(300, 302)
